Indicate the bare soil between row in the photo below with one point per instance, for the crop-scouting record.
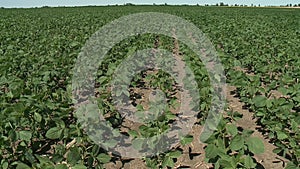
(267, 160)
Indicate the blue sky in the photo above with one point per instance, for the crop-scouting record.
(39, 3)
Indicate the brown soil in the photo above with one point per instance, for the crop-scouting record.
(193, 154)
(268, 159)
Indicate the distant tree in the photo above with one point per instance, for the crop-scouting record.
(295, 5)
(236, 5)
(291, 5)
(217, 4)
(221, 3)
(258, 5)
(166, 4)
(129, 4)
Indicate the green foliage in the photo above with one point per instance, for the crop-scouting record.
(232, 148)
(39, 47)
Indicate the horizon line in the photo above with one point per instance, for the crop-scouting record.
(155, 4)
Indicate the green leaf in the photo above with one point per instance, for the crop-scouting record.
(211, 151)
(168, 161)
(226, 163)
(249, 163)
(255, 145)
(139, 107)
(131, 51)
(103, 158)
(74, 44)
(44, 160)
(54, 133)
(175, 154)
(260, 114)
(294, 125)
(283, 90)
(291, 165)
(137, 143)
(37, 117)
(25, 135)
(61, 166)
(259, 101)
(247, 133)
(22, 166)
(5, 165)
(170, 116)
(277, 150)
(73, 156)
(10, 47)
(29, 157)
(281, 135)
(186, 140)
(79, 166)
(133, 133)
(206, 137)
(231, 129)
(48, 166)
(110, 143)
(237, 143)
